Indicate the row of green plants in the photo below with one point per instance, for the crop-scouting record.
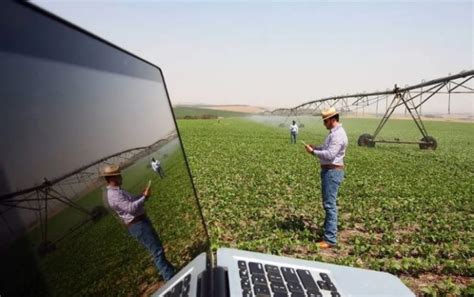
(402, 210)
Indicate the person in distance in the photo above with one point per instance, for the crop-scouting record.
(156, 166)
(293, 132)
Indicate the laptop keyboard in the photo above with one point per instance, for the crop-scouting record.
(267, 280)
(180, 289)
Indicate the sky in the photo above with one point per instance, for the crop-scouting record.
(81, 122)
(281, 54)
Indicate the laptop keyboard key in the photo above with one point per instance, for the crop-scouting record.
(311, 293)
(289, 274)
(259, 279)
(331, 287)
(322, 285)
(294, 287)
(298, 295)
(273, 277)
(261, 290)
(245, 284)
(246, 293)
(324, 277)
(187, 279)
(242, 264)
(280, 294)
(307, 280)
(335, 294)
(186, 290)
(278, 287)
(244, 274)
(176, 291)
(271, 268)
(256, 268)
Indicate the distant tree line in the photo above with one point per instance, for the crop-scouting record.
(198, 117)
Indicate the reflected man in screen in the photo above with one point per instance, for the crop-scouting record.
(131, 211)
(156, 166)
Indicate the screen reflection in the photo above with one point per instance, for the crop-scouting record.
(74, 109)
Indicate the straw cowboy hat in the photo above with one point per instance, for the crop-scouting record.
(110, 170)
(326, 114)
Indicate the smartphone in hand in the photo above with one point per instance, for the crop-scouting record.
(146, 193)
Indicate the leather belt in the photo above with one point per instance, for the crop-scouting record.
(332, 166)
(137, 219)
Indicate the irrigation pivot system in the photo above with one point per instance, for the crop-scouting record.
(411, 98)
(40, 202)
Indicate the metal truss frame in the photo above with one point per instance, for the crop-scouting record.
(401, 97)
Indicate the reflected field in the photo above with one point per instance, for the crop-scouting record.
(101, 258)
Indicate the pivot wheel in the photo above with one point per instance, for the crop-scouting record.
(429, 143)
(366, 140)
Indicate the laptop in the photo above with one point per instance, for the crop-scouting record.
(73, 103)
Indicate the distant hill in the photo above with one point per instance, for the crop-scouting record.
(182, 112)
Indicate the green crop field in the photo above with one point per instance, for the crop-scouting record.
(403, 210)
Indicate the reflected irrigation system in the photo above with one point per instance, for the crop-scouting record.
(64, 190)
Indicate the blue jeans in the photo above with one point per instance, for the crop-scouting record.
(331, 179)
(160, 171)
(293, 137)
(144, 232)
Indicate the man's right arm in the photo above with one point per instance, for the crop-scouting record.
(120, 202)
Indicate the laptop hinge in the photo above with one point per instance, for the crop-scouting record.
(214, 283)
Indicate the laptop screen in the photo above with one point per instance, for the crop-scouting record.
(95, 191)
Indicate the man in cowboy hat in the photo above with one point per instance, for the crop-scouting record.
(331, 156)
(131, 211)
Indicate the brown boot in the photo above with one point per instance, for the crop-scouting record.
(325, 245)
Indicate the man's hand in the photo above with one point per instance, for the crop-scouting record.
(309, 148)
(147, 192)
